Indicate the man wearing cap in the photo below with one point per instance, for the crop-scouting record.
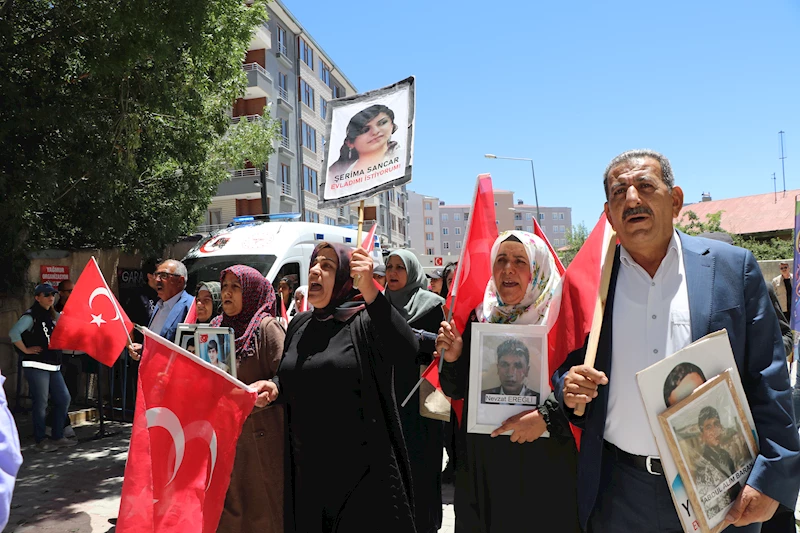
(436, 281)
(379, 274)
(42, 367)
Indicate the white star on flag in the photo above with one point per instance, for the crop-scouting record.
(97, 319)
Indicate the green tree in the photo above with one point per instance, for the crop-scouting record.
(114, 120)
(576, 236)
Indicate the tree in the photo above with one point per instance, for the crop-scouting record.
(114, 120)
(576, 236)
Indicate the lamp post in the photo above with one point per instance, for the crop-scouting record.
(533, 173)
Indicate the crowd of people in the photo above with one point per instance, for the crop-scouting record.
(328, 448)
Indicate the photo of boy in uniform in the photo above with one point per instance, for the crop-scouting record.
(513, 366)
(715, 464)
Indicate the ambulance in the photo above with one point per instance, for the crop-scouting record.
(275, 245)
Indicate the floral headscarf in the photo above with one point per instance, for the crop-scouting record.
(544, 279)
(343, 304)
(258, 302)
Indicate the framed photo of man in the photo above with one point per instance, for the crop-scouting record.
(508, 373)
(216, 346)
(714, 447)
(184, 337)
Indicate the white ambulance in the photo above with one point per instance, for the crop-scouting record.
(275, 245)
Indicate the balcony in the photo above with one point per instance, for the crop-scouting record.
(283, 99)
(259, 84)
(261, 38)
(286, 192)
(283, 56)
(249, 118)
(284, 147)
(245, 173)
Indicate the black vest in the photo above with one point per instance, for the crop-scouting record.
(39, 335)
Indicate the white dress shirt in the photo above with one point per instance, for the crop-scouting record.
(650, 322)
(162, 312)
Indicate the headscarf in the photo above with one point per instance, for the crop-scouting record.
(344, 298)
(258, 302)
(450, 267)
(413, 300)
(536, 301)
(215, 290)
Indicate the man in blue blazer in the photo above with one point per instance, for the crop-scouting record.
(173, 302)
(667, 290)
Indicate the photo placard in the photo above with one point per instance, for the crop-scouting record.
(216, 346)
(184, 337)
(508, 373)
(712, 443)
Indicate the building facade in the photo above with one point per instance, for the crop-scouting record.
(424, 224)
(291, 78)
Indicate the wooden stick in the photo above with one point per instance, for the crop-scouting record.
(357, 278)
(599, 308)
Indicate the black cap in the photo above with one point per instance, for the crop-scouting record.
(436, 274)
(44, 288)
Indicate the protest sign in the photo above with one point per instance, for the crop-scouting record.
(673, 379)
(370, 143)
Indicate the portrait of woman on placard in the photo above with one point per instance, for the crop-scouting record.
(368, 140)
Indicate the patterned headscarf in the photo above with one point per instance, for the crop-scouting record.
(536, 301)
(413, 300)
(213, 288)
(343, 304)
(258, 301)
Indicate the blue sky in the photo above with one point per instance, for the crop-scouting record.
(572, 84)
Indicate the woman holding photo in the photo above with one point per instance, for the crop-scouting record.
(254, 501)
(368, 141)
(422, 309)
(505, 479)
(349, 466)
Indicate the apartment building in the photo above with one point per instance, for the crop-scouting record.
(290, 74)
(442, 227)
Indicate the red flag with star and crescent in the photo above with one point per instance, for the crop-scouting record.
(183, 444)
(92, 321)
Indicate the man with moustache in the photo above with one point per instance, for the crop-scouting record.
(173, 302)
(667, 290)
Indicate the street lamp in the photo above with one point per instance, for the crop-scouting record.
(533, 173)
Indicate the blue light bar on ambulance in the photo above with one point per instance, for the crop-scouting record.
(319, 236)
(244, 219)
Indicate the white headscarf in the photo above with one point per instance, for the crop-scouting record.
(536, 302)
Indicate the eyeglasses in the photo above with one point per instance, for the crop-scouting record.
(784, 268)
(166, 275)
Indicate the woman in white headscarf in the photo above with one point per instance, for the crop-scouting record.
(505, 478)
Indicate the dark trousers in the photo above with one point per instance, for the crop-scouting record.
(41, 383)
(635, 500)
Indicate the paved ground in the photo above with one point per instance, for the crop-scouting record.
(76, 490)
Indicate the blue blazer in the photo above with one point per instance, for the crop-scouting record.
(726, 290)
(175, 316)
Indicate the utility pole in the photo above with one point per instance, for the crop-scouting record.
(263, 184)
(783, 168)
(775, 186)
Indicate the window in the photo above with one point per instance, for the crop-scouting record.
(466, 217)
(458, 231)
(322, 139)
(555, 216)
(518, 228)
(429, 221)
(285, 178)
(309, 137)
(457, 217)
(429, 236)
(310, 180)
(561, 216)
(445, 246)
(428, 206)
(307, 94)
(445, 231)
(283, 86)
(563, 229)
(281, 40)
(337, 91)
(444, 218)
(215, 216)
(330, 221)
(311, 216)
(543, 228)
(517, 216)
(530, 229)
(306, 53)
(528, 216)
(323, 107)
(394, 223)
(284, 128)
(458, 245)
(429, 251)
(541, 217)
(324, 73)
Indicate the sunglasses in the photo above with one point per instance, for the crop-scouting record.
(784, 268)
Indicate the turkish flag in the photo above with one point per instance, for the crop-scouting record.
(475, 263)
(369, 240)
(191, 316)
(572, 308)
(92, 321)
(189, 415)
